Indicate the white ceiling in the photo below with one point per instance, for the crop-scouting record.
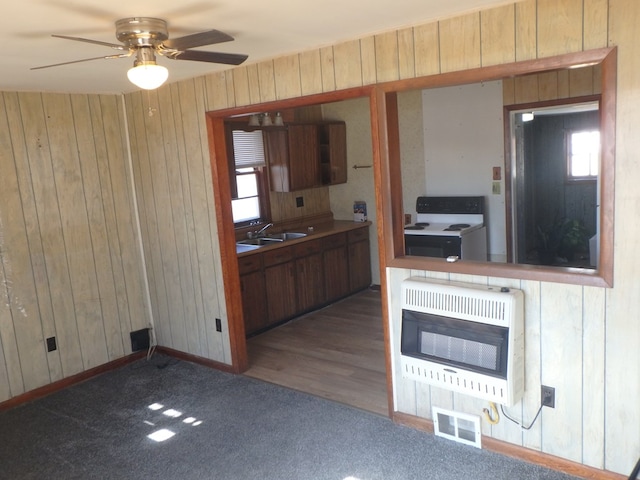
(262, 29)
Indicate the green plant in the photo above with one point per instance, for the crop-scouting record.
(562, 237)
(574, 237)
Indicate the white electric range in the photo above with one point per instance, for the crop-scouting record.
(448, 227)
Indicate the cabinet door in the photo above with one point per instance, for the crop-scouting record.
(333, 153)
(310, 282)
(281, 291)
(277, 150)
(254, 301)
(336, 269)
(304, 167)
(359, 265)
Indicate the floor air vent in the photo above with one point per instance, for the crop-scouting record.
(456, 426)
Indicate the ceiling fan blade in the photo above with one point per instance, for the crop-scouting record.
(212, 57)
(97, 42)
(122, 55)
(197, 40)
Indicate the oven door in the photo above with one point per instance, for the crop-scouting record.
(432, 246)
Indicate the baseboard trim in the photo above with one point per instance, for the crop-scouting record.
(195, 359)
(69, 381)
(516, 451)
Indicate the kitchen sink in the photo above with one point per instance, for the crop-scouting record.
(260, 241)
(245, 248)
(287, 235)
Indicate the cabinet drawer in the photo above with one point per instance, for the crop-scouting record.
(334, 241)
(249, 263)
(307, 248)
(279, 255)
(358, 234)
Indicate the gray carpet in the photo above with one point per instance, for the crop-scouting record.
(249, 430)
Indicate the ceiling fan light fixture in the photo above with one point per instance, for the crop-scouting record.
(148, 76)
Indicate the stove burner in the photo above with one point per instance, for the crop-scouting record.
(422, 224)
(414, 227)
(456, 226)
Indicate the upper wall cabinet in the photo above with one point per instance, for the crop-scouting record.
(332, 142)
(302, 156)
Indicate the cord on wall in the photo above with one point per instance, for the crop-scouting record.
(138, 229)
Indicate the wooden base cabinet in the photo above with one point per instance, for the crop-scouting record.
(254, 294)
(359, 259)
(280, 284)
(336, 266)
(310, 286)
(285, 282)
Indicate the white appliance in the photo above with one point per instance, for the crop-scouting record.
(464, 337)
(448, 227)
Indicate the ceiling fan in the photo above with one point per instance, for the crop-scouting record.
(145, 37)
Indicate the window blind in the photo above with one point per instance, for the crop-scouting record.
(248, 149)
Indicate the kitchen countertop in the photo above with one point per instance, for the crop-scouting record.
(319, 231)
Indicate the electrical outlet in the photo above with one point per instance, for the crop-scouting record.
(548, 396)
(51, 344)
(218, 325)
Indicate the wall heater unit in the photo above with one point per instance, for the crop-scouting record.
(464, 337)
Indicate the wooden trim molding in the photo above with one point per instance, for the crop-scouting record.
(516, 451)
(188, 357)
(69, 381)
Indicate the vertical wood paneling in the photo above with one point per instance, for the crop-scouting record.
(427, 49)
(50, 225)
(122, 233)
(595, 23)
(368, 56)
(69, 186)
(561, 365)
(57, 251)
(497, 28)
(175, 245)
(88, 141)
(406, 54)
(547, 86)
(183, 100)
(16, 320)
(287, 77)
(267, 81)
(532, 438)
(348, 65)
(460, 43)
(564, 324)
(387, 57)
(310, 72)
(526, 30)
(199, 179)
(148, 218)
(593, 377)
(254, 83)
(231, 88)
(241, 86)
(622, 438)
(216, 88)
(559, 27)
(328, 70)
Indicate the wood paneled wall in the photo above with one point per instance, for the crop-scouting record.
(177, 215)
(582, 340)
(70, 265)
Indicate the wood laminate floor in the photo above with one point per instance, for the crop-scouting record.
(336, 353)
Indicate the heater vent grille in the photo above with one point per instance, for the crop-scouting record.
(461, 356)
(469, 304)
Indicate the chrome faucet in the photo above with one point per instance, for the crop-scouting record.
(260, 233)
